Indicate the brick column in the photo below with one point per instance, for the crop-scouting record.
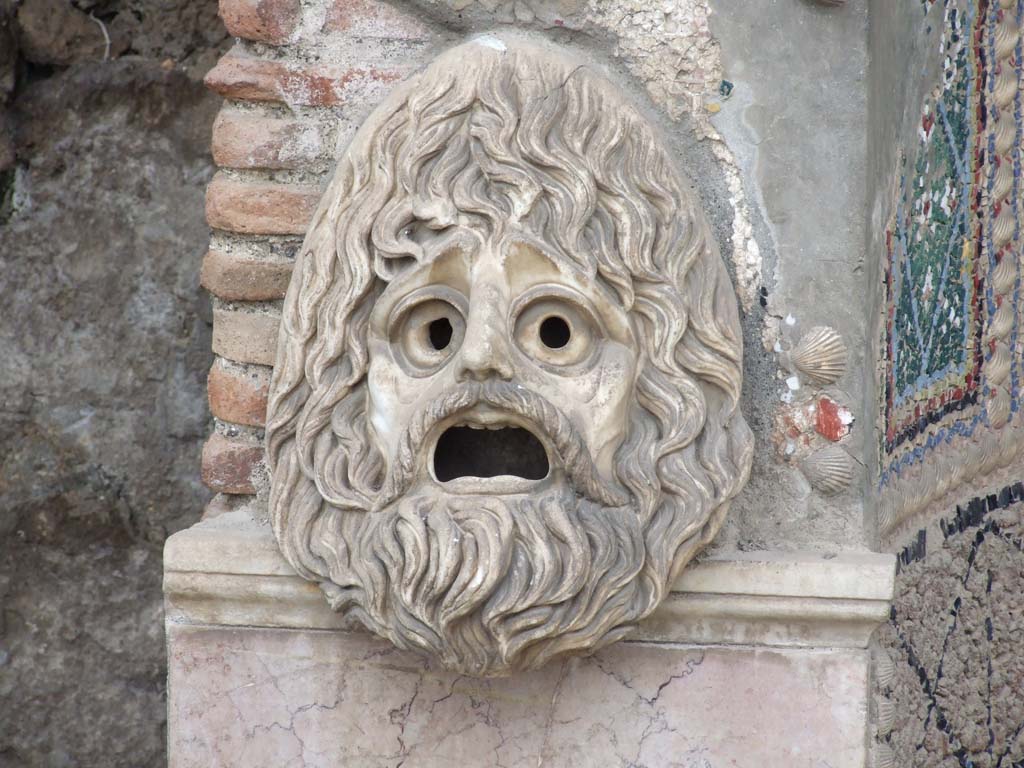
(296, 85)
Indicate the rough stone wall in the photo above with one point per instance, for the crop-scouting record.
(954, 698)
(104, 348)
(794, 117)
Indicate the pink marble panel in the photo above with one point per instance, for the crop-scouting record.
(298, 699)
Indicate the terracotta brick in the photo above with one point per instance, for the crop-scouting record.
(260, 207)
(228, 463)
(249, 140)
(374, 18)
(269, 21)
(250, 79)
(238, 277)
(238, 393)
(245, 336)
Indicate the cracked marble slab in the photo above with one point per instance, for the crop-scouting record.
(304, 699)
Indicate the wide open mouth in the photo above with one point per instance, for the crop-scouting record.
(477, 451)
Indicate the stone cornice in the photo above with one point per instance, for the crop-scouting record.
(229, 572)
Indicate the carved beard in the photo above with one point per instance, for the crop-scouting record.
(493, 583)
(487, 583)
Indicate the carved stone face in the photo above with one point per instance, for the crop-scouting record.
(504, 410)
(494, 310)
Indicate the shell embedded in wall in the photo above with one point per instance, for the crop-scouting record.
(829, 470)
(885, 670)
(1002, 320)
(885, 715)
(1004, 276)
(820, 355)
(883, 756)
(998, 409)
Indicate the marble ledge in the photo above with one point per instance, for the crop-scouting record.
(228, 572)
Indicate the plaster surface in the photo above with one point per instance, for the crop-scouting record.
(795, 118)
(266, 697)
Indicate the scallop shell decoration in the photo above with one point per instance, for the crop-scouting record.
(885, 715)
(820, 355)
(829, 470)
(885, 670)
(884, 757)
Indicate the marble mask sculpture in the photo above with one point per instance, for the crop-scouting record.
(504, 410)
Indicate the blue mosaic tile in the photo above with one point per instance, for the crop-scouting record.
(943, 248)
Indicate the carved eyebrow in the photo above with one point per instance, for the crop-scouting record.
(432, 210)
(609, 290)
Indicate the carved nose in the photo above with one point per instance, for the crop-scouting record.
(485, 350)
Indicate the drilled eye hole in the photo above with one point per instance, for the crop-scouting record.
(440, 333)
(427, 334)
(554, 332)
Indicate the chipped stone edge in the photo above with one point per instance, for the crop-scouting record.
(229, 572)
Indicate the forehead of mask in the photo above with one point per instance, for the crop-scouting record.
(492, 283)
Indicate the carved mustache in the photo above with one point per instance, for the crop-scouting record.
(545, 420)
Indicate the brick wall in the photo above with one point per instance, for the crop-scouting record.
(298, 81)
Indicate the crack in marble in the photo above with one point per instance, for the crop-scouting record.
(624, 707)
(549, 720)
(690, 664)
(400, 716)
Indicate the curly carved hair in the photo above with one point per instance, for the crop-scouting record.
(498, 132)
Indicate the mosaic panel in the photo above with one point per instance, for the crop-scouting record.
(954, 636)
(952, 268)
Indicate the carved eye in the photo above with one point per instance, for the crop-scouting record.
(556, 330)
(427, 330)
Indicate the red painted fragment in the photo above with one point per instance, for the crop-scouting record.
(833, 421)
